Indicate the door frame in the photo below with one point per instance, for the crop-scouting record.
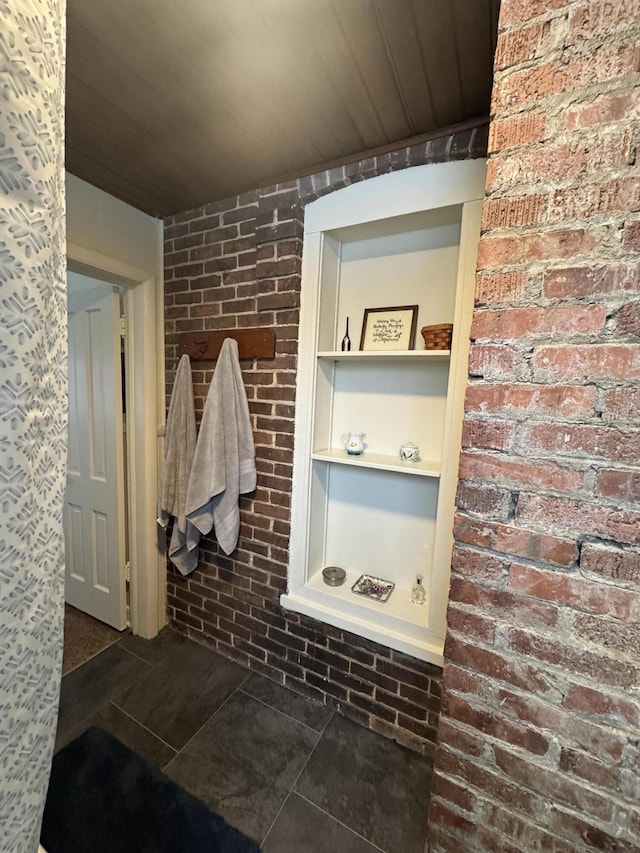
(144, 368)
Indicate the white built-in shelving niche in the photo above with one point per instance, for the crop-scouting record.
(407, 238)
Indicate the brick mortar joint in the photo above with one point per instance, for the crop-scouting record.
(553, 104)
(543, 17)
(566, 45)
(621, 172)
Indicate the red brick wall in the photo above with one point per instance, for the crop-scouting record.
(538, 739)
(236, 263)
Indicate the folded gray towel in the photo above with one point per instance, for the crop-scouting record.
(224, 464)
(179, 448)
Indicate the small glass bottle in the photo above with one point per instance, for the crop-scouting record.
(417, 591)
(346, 341)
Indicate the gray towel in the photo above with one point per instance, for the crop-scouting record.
(179, 448)
(224, 465)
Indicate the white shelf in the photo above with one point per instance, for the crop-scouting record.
(387, 355)
(397, 620)
(380, 462)
(398, 605)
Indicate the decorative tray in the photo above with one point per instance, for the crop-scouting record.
(375, 588)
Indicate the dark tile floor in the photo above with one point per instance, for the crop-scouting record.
(288, 772)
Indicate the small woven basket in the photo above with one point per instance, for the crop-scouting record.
(437, 337)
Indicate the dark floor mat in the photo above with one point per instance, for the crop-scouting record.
(104, 798)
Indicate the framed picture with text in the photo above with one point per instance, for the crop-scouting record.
(392, 328)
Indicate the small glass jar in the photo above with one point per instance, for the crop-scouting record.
(417, 591)
(409, 452)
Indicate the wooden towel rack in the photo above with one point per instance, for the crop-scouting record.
(205, 346)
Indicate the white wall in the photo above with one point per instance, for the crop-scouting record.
(101, 223)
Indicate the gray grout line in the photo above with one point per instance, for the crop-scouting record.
(206, 722)
(91, 657)
(346, 825)
(291, 790)
(284, 714)
(239, 689)
(145, 728)
(302, 769)
(137, 656)
(295, 781)
(274, 821)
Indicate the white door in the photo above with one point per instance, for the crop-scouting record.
(94, 502)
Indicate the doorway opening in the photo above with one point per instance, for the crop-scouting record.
(96, 517)
(143, 402)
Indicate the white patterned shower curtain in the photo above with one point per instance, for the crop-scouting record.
(33, 406)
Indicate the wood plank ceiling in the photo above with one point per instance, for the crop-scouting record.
(174, 104)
